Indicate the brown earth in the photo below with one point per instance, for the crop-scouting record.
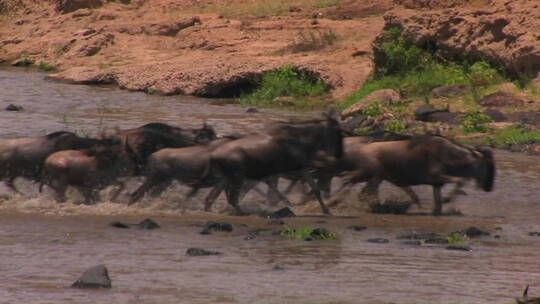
(167, 47)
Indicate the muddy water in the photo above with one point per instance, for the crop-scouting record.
(45, 246)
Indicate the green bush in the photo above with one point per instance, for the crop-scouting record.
(475, 121)
(301, 233)
(285, 81)
(457, 239)
(45, 66)
(394, 125)
(482, 74)
(373, 109)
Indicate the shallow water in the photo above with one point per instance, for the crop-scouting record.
(45, 246)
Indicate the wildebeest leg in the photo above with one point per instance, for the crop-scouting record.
(160, 187)
(141, 191)
(60, 192)
(271, 196)
(192, 192)
(307, 177)
(325, 183)
(91, 196)
(414, 197)
(437, 199)
(272, 188)
(291, 186)
(232, 190)
(118, 191)
(455, 192)
(11, 184)
(213, 195)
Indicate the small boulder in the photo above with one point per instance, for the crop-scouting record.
(472, 232)
(23, 61)
(252, 110)
(281, 213)
(425, 112)
(353, 122)
(94, 277)
(357, 227)
(496, 115)
(386, 96)
(147, 224)
(119, 225)
(68, 6)
(501, 99)
(378, 240)
(449, 90)
(200, 252)
(216, 226)
(459, 248)
(14, 108)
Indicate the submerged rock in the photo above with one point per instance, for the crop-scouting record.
(94, 277)
(460, 248)
(473, 232)
(357, 227)
(378, 240)
(119, 225)
(216, 226)
(281, 213)
(14, 108)
(147, 224)
(201, 252)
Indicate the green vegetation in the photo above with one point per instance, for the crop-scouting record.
(301, 233)
(150, 91)
(45, 66)
(24, 59)
(286, 81)
(394, 125)
(457, 239)
(413, 72)
(475, 121)
(513, 134)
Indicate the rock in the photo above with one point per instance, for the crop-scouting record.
(216, 226)
(496, 115)
(353, 122)
(84, 75)
(119, 225)
(164, 28)
(14, 108)
(308, 238)
(84, 12)
(425, 112)
(492, 33)
(378, 240)
(68, 6)
(94, 277)
(147, 224)
(427, 237)
(472, 232)
(357, 228)
(23, 61)
(320, 233)
(278, 267)
(385, 97)
(435, 4)
(200, 252)
(461, 248)
(533, 234)
(449, 90)
(501, 99)
(252, 110)
(281, 213)
(93, 45)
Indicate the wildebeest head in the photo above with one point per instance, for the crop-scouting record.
(466, 161)
(204, 134)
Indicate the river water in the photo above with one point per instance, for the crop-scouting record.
(45, 246)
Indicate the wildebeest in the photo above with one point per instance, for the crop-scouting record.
(283, 148)
(25, 156)
(151, 137)
(427, 159)
(89, 170)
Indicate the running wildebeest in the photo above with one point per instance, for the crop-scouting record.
(151, 137)
(422, 160)
(187, 165)
(89, 170)
(283, 148)
(24, 157)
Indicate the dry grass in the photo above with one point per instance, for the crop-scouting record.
(257, 8)
(311, 40)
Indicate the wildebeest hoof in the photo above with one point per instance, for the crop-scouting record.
(119, 225)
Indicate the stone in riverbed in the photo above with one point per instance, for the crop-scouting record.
(148, 224)
(201, 252)
(94, 277)
(217, 226)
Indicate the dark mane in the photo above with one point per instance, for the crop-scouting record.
(58, 134)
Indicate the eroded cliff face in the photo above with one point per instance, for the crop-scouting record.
(507, 33)
(170, 47)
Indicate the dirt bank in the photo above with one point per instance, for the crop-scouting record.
(199, 48)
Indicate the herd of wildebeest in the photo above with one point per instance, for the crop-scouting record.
(311, 151)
